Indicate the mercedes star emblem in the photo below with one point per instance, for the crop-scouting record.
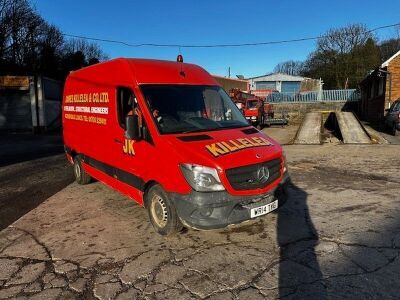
(263, 174)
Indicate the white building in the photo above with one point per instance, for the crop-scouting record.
(280, 82)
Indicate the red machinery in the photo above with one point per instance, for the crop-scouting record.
(255, 109)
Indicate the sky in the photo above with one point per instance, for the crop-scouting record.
(216, 22)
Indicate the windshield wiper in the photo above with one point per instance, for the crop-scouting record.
(214, 128)
(234, 126)
(202, 129)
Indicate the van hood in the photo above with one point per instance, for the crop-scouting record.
(251, 112)
(225, 149)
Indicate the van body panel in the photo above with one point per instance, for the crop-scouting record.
(196, 152)
(92, 129)
(161, 72)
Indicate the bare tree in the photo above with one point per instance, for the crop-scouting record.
(388, 48)
(343, 40)
(89, 50)
(20, 31)
(343, 56)
(290, 67)
(30, 45)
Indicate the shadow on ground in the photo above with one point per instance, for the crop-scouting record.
(30, 172)
(91, 242)
(384, 132)
(299, 270)
(20, 147)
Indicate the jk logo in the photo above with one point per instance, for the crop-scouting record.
(128, 147)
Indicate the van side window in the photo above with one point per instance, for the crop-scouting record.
(125, 104)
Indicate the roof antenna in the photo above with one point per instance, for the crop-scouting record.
(179, 59)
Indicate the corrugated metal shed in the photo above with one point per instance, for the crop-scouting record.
(277, 81)
(277, 77)
(232, 83)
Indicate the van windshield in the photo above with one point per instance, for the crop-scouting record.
(252, 104)
(191, 108)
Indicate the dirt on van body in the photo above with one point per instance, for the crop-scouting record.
(338, 236)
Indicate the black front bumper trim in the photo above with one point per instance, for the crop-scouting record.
(215, 210)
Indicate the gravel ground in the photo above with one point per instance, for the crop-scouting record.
(31, 170)
(284, 135)
(338, 236)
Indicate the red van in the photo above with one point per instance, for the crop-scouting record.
(168, 136)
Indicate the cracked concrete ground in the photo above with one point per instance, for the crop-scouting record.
(337, 237)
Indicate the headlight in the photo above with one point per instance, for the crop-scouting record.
(254, 118)
(285, 169)
(202, 179)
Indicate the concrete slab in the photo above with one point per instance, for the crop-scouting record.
(284, 135)
(310, 130)
(338, 236)
(351, 129)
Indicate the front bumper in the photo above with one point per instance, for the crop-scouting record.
(252, 119)
(219, 209)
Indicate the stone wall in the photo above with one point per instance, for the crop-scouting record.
(296, 111)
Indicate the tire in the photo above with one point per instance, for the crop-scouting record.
(260, 124)
(385, 127)
(394, 129)
(81, 176)
(162, 211)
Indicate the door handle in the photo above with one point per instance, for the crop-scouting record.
(118, 141)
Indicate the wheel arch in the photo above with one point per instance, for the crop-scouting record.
(146, 188)
(73, 154)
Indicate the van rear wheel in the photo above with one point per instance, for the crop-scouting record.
(162, 212)
(81, 176)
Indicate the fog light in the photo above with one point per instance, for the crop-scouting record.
(206, 212)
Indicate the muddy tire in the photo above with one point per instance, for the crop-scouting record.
(81, 176)
(394, 130)
(162, 211)
(260, 124)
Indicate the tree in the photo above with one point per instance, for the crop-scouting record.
(20, 29)
(364, 58)
(78, 53)
(290, 67)
(388, 48)
(343, 57)
(89, 49)
(29, 45)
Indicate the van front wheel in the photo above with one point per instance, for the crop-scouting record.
(81, 176)
(162, 212)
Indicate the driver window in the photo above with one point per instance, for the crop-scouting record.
(214, 106)
(126, 103)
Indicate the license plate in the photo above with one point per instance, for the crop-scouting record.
(263, 210)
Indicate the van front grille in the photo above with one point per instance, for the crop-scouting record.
(254, 176)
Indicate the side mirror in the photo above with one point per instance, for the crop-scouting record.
(132, 130)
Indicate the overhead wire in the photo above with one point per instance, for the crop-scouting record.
(211, 45)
